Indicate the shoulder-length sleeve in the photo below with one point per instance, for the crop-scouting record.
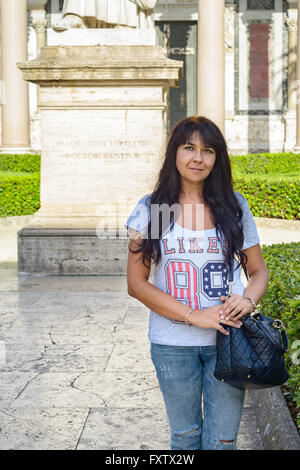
(139, 217)
(251, 236)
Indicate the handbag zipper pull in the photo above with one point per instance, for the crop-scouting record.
(230, 289)
(230, 281)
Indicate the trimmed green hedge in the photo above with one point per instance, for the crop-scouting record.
(269, 182)
(271, 196)
(19, 184)
(19, 193)
(282, 300)
(266, 163)
(27, 163)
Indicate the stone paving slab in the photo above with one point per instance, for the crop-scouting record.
(145, 429)
(41, 429)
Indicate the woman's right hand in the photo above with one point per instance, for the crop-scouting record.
(211, 318)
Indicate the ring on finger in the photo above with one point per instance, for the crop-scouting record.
(236, 308)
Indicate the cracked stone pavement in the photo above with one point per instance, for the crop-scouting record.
(75, 368)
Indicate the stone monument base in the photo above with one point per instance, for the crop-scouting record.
(103, 128)
(72, 252)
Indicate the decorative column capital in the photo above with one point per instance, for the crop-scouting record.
(39, 20)
(291, 24)
(291, 20)
(39, 24)
(231, 6)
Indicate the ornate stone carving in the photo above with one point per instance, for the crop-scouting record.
(291, 23)
(39, 24)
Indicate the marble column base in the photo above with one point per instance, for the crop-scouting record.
(16, 150)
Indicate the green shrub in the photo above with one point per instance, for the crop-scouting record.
(19, 193)
(19, 184)
(20, 163)
(266, 163)
(269, 182)
(282, 301)
(271, 196)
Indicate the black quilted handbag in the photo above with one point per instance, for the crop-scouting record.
(252, 356)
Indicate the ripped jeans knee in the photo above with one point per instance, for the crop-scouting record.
(223, 444)
(187, 439)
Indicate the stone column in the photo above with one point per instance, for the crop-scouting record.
(230, 12)
(211, 61)
(15, 102)
(289, 118)
(297, 146)
(39, 23)
(291, 23)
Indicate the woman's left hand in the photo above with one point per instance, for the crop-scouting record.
(235, 307)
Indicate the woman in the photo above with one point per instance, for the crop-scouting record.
(211, 227)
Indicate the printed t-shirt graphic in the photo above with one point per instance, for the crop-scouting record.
(192, 270)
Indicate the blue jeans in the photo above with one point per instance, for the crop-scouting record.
(185, 375)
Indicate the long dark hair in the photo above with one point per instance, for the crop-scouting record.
(217, 192)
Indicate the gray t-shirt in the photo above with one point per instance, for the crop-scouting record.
(192, 270)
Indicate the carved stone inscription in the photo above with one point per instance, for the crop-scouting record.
(129, 149)
(90, 157)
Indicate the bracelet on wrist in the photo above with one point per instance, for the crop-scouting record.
(254, 306)
(186, 317)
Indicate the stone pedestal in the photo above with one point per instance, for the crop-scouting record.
(103, 124)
